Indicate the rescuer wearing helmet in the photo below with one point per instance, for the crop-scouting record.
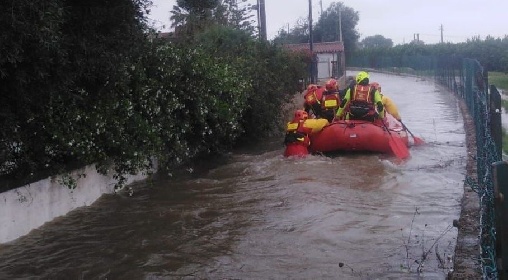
(331, 100)
(312, 103)
(331, 85)
(362, 101)
(297, 138)
(390, 106)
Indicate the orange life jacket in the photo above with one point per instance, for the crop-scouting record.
(363, 94)
(296, 132)
(313, 101)
(313, 97)
(362, 102)
(330, 101)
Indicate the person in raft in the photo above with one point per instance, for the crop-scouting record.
(330, 101)
(312, 103)
(297, 138)
(361, 102)
(390, 106)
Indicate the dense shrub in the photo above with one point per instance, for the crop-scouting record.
(61, 64)
(197, 102)
(272, 72)
(86, 83)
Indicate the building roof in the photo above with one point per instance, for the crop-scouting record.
(325, 47)
(165, 35)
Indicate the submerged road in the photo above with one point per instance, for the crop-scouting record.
(258, 215)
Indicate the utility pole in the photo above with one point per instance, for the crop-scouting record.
(262, 18)
(342, 55)
(258, 18)
(340, 23)
(312, 80)
(441, 28)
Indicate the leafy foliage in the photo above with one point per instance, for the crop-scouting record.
(326, 29)
(191, 17)
(491, 53)
(376, 41)
(60, 59)
(236, 14)
(198, 103)
(88, 83)
(299, 33)
(272, 72)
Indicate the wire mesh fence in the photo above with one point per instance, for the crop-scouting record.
(467, 79)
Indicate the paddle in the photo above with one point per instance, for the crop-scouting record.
(417, 140)
(398, 147)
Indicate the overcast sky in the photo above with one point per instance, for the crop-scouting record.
(394, 19)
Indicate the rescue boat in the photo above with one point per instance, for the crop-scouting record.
(387, 136)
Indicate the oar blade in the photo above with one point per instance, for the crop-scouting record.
(398, 147)
(418, 141)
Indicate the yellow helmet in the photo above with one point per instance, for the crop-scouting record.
(361, 76)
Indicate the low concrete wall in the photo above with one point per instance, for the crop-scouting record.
(30, 206)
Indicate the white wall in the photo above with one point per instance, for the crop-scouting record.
(324, 65)
(30, 206)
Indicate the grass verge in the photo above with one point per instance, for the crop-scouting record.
(500, 80)
(505, 142)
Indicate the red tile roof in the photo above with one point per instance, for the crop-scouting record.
(326, 47)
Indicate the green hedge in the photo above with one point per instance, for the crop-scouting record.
(81, 86)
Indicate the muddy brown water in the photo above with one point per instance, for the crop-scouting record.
(258, 215)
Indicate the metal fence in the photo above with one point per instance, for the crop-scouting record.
(473, 88)
(467, 78)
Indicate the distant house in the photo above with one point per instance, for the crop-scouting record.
(166, 36)
(329, 57)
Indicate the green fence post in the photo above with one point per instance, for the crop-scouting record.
(500, 178)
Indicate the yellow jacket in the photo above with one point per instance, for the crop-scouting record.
(390, 106)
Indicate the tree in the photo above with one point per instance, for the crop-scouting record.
(298, 34)
(190, 17)
(327, 28)
(377, 41)
(198, 7)
(234, 14)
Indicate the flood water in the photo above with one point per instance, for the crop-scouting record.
(258, 215)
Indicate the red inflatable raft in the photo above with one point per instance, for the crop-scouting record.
(362, 136)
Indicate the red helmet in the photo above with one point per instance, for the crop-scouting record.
(311, 87)
(301, 115)
(376, 85)
(331, 84)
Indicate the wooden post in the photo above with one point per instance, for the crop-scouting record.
(262, 17)
(500, 178)
(311, 46)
